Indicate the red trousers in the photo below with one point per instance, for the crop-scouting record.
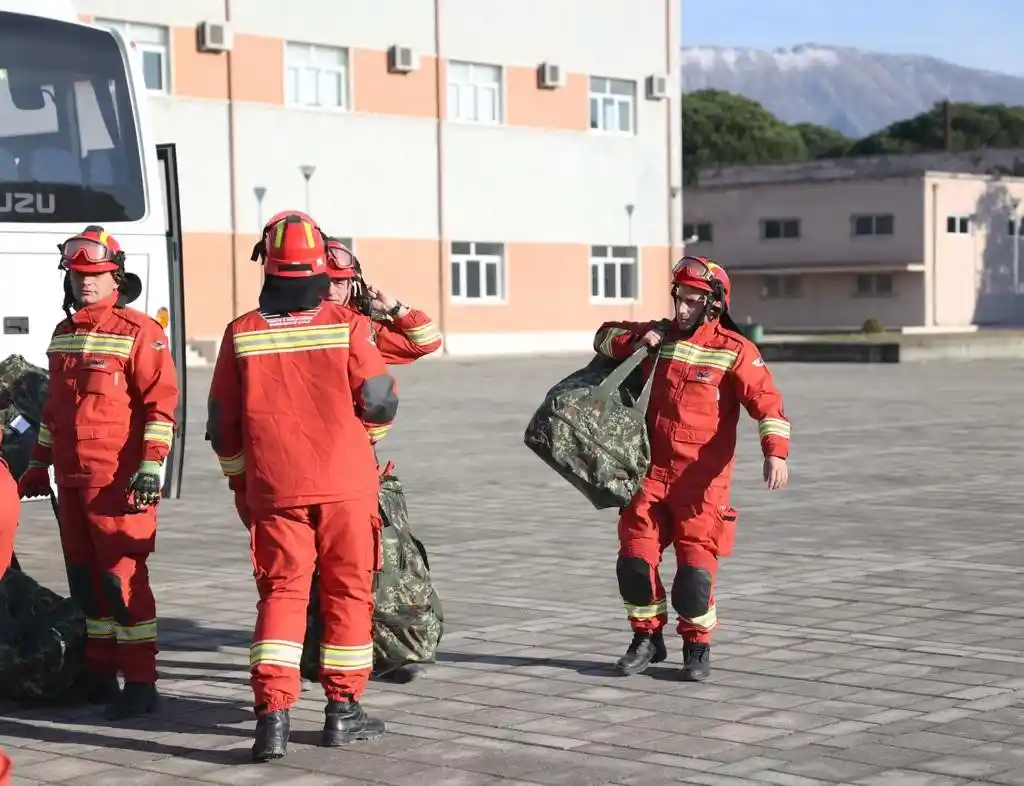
(10, 508)
(701, 529)
(106, 548)
(5, 769)
(343, 539)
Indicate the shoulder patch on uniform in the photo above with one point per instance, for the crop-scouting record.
(158, 345)
(758, 361)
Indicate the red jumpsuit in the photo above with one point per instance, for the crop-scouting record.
(110, 406)
(10, 506)
(279, 418)
(700, 383)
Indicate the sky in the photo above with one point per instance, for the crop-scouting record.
(977, 33)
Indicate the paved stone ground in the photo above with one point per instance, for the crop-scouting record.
(872, 632)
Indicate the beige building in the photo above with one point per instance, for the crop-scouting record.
(918, 242)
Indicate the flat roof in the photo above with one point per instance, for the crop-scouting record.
(975, 163)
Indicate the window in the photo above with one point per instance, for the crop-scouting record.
(317, 76)
(875, 285)
(613, 273)
(958, 225)
(1020, 227)
(478, 271)
(781, 286)
(612, 105)
(67, 129)
(151, 41)
(474, 92)
(868, 226)
(780, 228)
(701, 231)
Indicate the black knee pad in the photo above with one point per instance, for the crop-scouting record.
(115, 598)
(82, 591)
(634, 575)
(691, 591)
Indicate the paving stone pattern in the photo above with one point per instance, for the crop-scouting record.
(872, 614)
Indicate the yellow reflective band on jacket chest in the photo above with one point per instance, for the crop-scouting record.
(694, 355)
(92, 344)
(272, 341)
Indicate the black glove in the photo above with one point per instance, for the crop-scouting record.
(144, 487)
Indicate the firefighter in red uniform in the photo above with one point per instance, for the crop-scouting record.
(295, 440)
(406, 336)
(108, 422)
(705, 370)
(10, 506)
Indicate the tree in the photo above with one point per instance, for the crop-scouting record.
(822, 142)
(723, 129)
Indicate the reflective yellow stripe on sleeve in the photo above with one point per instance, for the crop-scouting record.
(423, 335)
(603, 344)
(773, 427)
(335, 658)
(275, 341)
(159, 431)
(377, 433)
(232, 465)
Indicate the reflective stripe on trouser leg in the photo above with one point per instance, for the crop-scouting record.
(650, 617)
(693, 595)
(349, 551)
(283, 555)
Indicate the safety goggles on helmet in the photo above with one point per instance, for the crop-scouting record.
(341, 262)
(86, 254)
(693, 270)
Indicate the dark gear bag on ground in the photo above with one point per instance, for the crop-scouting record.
(23, 389)
(408, 619)
(591, 429)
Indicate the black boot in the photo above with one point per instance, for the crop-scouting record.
(272, 732)
(101, 690)
(696, 662)
(137, 698)
(347, 722)
(645, 649)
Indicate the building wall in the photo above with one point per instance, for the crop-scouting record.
(405, 185)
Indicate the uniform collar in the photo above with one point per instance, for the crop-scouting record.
(96, 313)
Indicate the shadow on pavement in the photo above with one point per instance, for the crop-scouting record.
(585, 667)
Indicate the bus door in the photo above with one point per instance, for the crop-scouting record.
(168, 166)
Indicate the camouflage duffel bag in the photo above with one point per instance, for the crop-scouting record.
(23, 389)
(408, 619)
(42, 640)
(591, 429)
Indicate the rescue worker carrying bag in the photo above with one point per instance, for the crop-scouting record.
(592, 430)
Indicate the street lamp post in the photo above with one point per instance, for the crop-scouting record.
(629, 224)
(307, 171)
(259, 192)
(1015, 224)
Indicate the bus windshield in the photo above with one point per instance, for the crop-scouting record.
(69, 150)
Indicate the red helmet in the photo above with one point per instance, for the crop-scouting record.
(92, 251)
(292, 246)
(706, 275)
(341, 262)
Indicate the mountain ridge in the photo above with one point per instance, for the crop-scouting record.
(856, 91)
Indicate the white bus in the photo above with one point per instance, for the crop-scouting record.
(77, 148)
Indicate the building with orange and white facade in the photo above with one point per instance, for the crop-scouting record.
(924, 242)
(512, 167)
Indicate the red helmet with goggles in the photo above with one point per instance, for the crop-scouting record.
(292, 246)
(705, 275)
(94, 250)
(341, 262)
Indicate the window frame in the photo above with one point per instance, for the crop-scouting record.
(782, 222)
(163, 49)
(345, 71)
(873, 290)
(960, 218)
(499, 92)
(784, 292)
(1020, 227)
(461, 259)
(695, 227)
(598, 261)
(874, 218)
(601, 95)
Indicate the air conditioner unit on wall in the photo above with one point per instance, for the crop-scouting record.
(550, 76)
(402, 60)
(214, 37)
(657, 87)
